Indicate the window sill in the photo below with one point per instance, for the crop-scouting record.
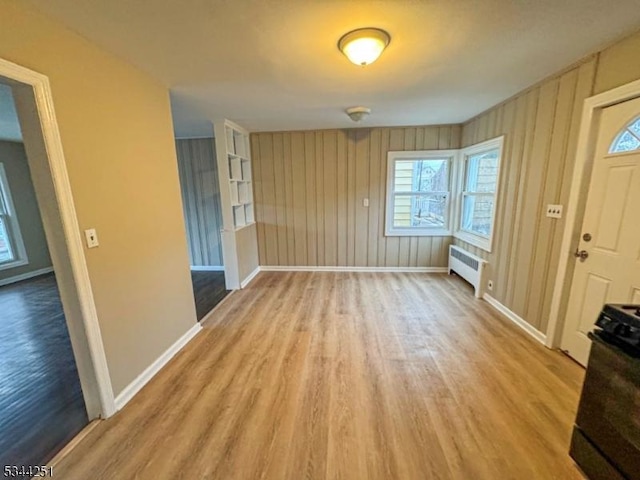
(434, 232)
(475, 240)
(14, 264)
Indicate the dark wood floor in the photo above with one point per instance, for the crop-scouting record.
(208, 290)
(41, 404)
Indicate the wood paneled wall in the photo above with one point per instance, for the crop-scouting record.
(309, 190)
(541, 128)
(201, 200)
(310, 185)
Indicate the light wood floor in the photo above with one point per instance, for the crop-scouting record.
(346, 375)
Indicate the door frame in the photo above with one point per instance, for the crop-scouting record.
(51, 182)
(574, 212)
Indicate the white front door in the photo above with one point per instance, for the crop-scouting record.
(610, 233)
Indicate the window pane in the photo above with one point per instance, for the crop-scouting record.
(419, 211)
(626, 142)
(635, 127)
(482, 172)
(477, 214)
(6, 254)
(421, 175)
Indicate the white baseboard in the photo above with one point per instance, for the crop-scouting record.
(519, 321)
(207, 268)
(250, 277)
(25, 276)
(267, 268)
(141, 380)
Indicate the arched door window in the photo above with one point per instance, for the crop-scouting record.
(628, 140)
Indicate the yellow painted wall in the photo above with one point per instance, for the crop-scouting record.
(618, 64)
(115, 124)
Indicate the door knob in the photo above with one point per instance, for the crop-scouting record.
(581, 254)
(587, 237)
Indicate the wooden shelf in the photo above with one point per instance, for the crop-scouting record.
(239, 216)
(234, 192)
(235, 168)
(245, 166)
(240, 186)
(248, 213)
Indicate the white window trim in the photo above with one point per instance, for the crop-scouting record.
(392, 157)
(485, 243)
(14, 233)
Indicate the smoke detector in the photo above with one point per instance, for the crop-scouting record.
(357, 113)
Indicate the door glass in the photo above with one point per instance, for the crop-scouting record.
(628, 140)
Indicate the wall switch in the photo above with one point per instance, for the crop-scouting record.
(92, 238)
(554, 211)
(365, 202)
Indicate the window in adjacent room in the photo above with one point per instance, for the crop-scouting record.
(12, 250)
(479, 190)
(419, 193)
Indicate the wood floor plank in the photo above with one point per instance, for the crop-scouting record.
(209, 290)
(346, 376)
(41, 402)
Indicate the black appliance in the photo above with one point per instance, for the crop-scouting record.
(606, 437)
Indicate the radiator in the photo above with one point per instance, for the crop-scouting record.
(468, 266)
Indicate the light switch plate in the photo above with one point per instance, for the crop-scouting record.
(365, 202)
(92, 238)
(554, 211)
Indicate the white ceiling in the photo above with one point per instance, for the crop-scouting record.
(274, 65)
(9, 126)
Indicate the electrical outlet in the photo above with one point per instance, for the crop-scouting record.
(92, 238)
(554, 211)
(490, 284)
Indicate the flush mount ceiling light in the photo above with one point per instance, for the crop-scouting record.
(357, 113)
(364, 45)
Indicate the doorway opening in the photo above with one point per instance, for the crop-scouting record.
(53, 372)
(41, 406)
(200, 187)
